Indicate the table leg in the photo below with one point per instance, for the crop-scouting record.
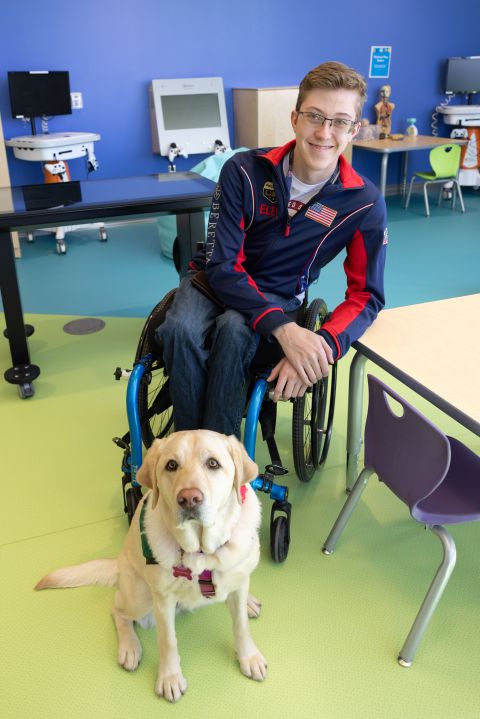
(383, 173)
(190, 234)
(23, 372)
(355, 411)
(404, 174)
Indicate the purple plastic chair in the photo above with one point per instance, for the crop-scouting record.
(436, 476)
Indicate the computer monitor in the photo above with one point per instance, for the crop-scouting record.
(463, 75)
(38, 93)
(189, 112)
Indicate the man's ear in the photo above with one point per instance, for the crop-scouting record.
(294, 120)
(355, 131)
(246, 469)
(146, 474)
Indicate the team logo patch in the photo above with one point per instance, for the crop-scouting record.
(321, 213)
(217, 193)
(269, 192)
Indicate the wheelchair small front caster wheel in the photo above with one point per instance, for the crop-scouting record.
(279, 539)
(133, 496)
(61, 248)
(103, 234)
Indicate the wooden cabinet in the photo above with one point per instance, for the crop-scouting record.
(262, 116)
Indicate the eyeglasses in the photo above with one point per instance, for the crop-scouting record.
(338, 123)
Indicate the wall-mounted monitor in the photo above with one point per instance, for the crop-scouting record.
(463, 75)
(189, 112)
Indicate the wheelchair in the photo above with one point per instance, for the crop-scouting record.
(150, 416)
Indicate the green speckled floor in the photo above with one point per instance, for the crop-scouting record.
(330, 627)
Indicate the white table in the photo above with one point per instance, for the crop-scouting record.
(409, 144)
(433, 348)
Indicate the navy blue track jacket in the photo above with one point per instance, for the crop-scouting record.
(253, 246)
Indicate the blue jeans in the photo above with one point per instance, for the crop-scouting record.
(208, 352)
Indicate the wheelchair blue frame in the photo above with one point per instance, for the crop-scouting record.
(262, 483)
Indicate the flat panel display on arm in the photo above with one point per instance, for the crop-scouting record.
(463, 75)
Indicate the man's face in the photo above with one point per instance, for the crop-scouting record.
(319, 145)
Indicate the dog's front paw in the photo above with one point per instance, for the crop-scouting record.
(171, 686)
(254, 667)
(129, 654)
(195, 561)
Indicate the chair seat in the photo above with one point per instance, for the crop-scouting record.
(457, 499)
(431, 176)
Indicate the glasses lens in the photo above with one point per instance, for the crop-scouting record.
(338, 124)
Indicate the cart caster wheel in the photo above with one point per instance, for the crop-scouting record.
(61, 248)
(133, 496)
(26, 390)
(103, 234)
(279, 539)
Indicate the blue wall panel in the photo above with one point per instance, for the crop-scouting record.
(113, 50)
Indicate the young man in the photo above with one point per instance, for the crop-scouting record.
(277, 217)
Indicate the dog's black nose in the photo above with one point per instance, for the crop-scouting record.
(189, 498)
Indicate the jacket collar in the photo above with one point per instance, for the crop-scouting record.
(347, 176)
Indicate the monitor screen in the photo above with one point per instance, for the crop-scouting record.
(463, 75)
(183, 112)
(188, 112)
(37, 93)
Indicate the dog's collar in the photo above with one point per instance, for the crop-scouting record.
(205, 581)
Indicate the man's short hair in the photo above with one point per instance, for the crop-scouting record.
(333, 76)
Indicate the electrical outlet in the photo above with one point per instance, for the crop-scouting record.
(77, 100)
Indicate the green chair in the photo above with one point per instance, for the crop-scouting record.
(445, 162)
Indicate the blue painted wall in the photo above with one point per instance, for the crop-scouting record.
(113, 49)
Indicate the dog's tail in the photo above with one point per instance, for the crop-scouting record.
(98, 571)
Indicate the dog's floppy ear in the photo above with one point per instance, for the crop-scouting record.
(146, 475)
(245, 468)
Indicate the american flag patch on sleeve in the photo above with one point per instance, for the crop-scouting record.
(321, 213)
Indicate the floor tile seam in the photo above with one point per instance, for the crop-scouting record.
(58, 531)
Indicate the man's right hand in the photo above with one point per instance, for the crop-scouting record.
(309, 354)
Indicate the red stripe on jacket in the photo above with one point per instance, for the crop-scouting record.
(238, 266)
(271, 309)
(357, 296)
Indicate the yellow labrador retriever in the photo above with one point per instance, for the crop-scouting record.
(193, 541)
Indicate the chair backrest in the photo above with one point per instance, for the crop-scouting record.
(409, 453)
(445, 160)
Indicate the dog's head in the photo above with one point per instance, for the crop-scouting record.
(195, 472)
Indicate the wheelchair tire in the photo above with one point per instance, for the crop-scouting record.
(279, 539)
(311, 423)
(154, 403)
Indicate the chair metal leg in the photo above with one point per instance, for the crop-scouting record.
(346, 511)
(425, 197)
(355, 413)
(460, 196)
(432, 597)
(409, 192)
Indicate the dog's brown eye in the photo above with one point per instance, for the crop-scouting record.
(171, 465)
(212, 463)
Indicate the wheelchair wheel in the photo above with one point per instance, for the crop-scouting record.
(154, 403)
(133, 496)
(312, 418)
(279, 539)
